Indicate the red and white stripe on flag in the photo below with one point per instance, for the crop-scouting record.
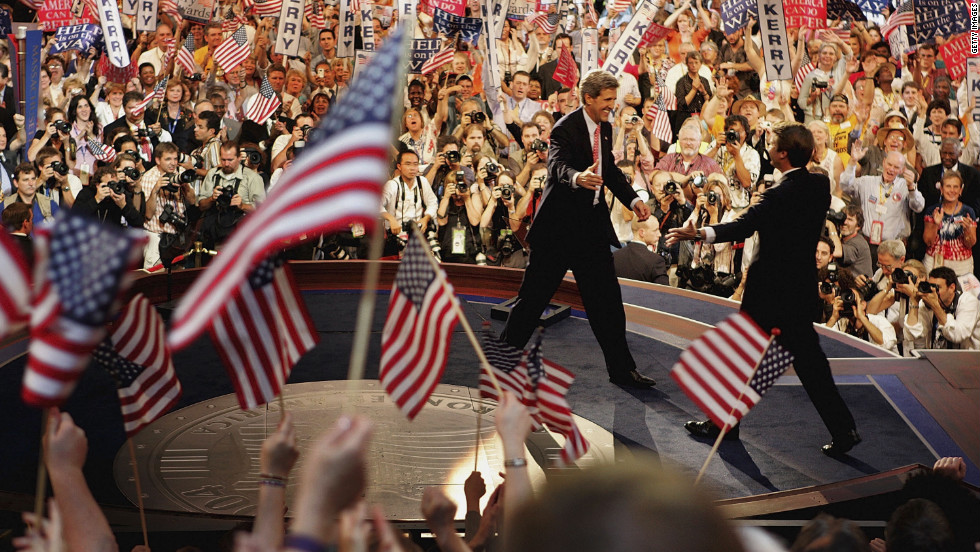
(264, 104)
(438, 59)
(554, 411)
(802, 73)
(715, 369)
(233, 51)
(262, 333)
(621, 5)
(147, 383)
(661, 123)
(417, 331)
(15, 293)
(269, 8)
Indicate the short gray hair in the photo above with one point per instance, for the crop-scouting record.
(956, 143)
(597, 81)
(894, 248)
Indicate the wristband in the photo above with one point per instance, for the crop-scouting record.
(306, 543)
(515, 463)
(273, 482)
(270, 476)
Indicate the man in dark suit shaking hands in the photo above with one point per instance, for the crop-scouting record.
(781, 287)
(572, 230)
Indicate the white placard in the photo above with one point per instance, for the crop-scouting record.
(620, 53)
(345, 38)
(589, 55)
(146, 15)
(367, 26)
(290, 27)
(775, 44)
(112, 32)
(973, 81)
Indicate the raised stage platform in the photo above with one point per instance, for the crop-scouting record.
(909, 411)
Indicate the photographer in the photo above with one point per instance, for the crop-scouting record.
(206, 130)
(855, 251)
(501, 208)
(295, 138)
(55, 181)
(25, 185)
(458, 216)
(535, 151)
(941, 316)
(671, 208)
(739, 162)
(227, 193)
(109, 200)
(448, 160)
(720, 263)
(56, 135)
(529, 202)
(893, 301)
(169, 198)
(407, 199)
(845, 310)
(147, 136)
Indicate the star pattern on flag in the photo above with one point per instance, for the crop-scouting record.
(122, 371)
(264, 272)
(773, 365)
(416, 273)
(83, 258)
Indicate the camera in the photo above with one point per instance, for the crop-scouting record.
(836, 217)
(539, 145)
(62, 126)
(146, 133)
(196, 77)
(493, 169)
(170, 216)
(507, 244)
(252, 156)
(131, 173)
(828, 288)
(507, 192)
(820, 84)
(224, 199)
(432, 237)
(173, 180)
(116, 186)
(59, 167)
(453, 157)
(670, 188)
(698, 181)
(478, 117)
(298, 147)
(306, 130)
(850, 301)
(731, 136)
(197, 159)
(460, 179)
(927, 287)
(900, 276)
(633, 120)
(712, 197)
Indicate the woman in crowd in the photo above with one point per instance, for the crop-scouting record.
(296, 85)
(111, 108)
(951, 229)
(825, 156)
(83, 128)
(174, 116)
(57, 135)
(511, 55)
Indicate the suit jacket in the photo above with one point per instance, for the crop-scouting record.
(566, 214)
(636, 262)
(781, 288)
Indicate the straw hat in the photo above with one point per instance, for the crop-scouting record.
(737, 106)
(893, 125)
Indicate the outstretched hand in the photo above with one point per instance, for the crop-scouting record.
(682, 233)
(588, 179)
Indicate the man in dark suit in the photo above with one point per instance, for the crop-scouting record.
(572, 229)
(780, 291)
(949, 155)
(637, 261)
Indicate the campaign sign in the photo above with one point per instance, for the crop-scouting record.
(954, 53)
(76, 37)
(630, 38)
(6, 27)
(422, 50)
(810, 14)
(345, 38)
(973, 81)
(735, 14)
(198, 11)
(775, 44)
(455, 7)
(468, 28)
(112, 32)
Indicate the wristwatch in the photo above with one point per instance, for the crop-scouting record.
(698, 235)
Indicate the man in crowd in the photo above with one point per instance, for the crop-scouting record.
(25, 183)
(133, 123)
(107, 200)
(825, 252)
(688, 162)
(639, 259)
(944, 317)
(228, 192)
(18, 222)
(167, 195)
(855, 252)
(739, 162)
(887, 200)
(407, 198)
(780, 288)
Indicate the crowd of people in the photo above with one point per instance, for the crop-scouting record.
(629, 506)
(895, 136)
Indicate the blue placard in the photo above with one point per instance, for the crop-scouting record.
(33, 43)
(422, 50)
(734, 14)
(76, 37)
(468, 28)
(6, 27)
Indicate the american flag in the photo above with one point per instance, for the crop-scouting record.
(185, 56)
(621, 5)
(269, 8)
(33, 4)
(15, 293)
(168, 56)
(157, 93)
(669, 99)
(233, 51)
(137, 359)
(314, 12)
(264, 104)
(262, 332)
(547, 21)
(802, 73)
(102, 152)
(657, 111)
(232, 21)
(417, 330)
(904, 15)
(438, 59)
(592, 14)
(540, 384)
(334, 183)
(82, 269)
(718, 370)
(170, 8)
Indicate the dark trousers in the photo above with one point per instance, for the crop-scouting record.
(594, 272)
(813, 369)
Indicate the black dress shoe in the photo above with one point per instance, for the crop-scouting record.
(634, 380)
(840, 446)
(708, 430)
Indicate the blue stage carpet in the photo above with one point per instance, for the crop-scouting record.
(780, 439)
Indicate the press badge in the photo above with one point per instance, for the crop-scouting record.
(357, 229)
(459, 241)
(877, 227)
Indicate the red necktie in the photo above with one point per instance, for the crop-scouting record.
(595, 144)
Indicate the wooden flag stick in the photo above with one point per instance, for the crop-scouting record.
(459, 312)
(40, 489)
(721, 434)
(139, 491)
(479, 422)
